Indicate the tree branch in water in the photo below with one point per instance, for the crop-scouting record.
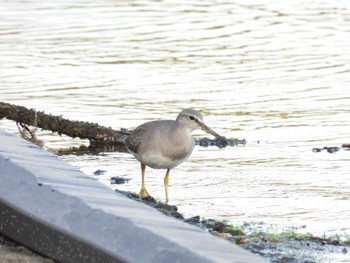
(81, 129)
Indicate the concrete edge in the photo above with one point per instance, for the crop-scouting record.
(58, 211)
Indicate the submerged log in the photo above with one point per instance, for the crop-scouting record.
(81, 129)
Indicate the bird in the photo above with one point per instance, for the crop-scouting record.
(165, 144)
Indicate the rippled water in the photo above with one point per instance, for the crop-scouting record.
(272, 72)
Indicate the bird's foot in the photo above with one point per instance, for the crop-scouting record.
(144, 193)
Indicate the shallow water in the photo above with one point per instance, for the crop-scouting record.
(276, 74)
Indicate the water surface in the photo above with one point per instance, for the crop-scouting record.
(270, 72)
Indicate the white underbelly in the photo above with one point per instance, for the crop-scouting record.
(159, 161)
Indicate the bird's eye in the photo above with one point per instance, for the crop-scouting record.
(191, 117)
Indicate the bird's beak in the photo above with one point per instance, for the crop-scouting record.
(212, 132)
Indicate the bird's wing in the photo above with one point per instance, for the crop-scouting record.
(134, 140)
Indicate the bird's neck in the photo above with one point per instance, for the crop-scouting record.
(183, 130)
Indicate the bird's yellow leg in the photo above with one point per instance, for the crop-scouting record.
(166, 181)
(143, 191)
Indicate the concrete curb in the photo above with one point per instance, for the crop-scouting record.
(55, 209)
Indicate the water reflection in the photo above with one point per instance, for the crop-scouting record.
(275, 72)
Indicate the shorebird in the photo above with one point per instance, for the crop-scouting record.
(164, 144)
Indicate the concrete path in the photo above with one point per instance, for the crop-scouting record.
(55, 209)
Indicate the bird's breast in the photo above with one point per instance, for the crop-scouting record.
(169, 153)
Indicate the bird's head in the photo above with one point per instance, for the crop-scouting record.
(193, 120)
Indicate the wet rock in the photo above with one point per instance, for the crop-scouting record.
(119, 180)
(166, 207)
(193, 220)
(239, 240)
(99, 172)
(218, 226)
(149, 200)
(169, 210)
(176, 215)
(331, 149)
(222, 227)
(206, 142)
(208, 223)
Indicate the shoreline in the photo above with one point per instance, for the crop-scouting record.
(283, 247)
(288, 246)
